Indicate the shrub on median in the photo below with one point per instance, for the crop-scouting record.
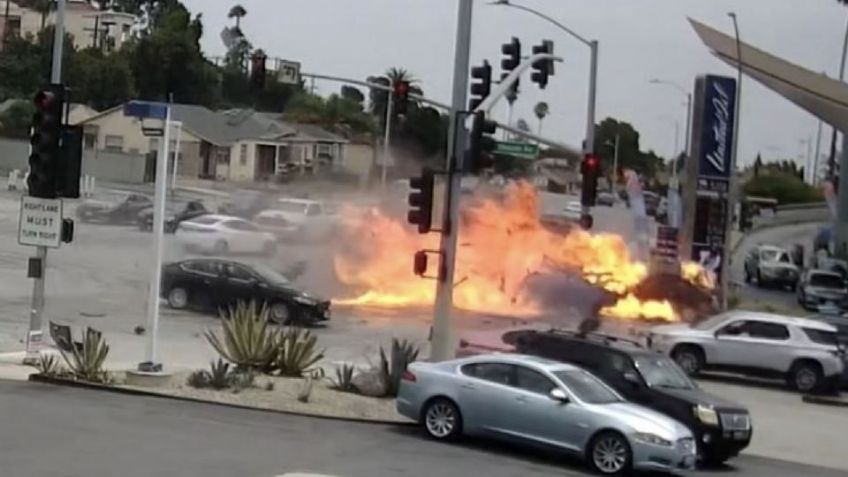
(85, 359)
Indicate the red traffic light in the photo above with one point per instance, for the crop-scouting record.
(402, 89)
(592, 161)
(43, 99)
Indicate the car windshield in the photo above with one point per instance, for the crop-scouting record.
(662, 372)
(270, 275)
(826, 280)
(772, 255)
(293, 207)
(587, 387)
(710, 323)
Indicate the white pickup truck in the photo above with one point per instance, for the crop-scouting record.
(305, 219)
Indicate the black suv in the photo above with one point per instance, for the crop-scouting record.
(722, 428)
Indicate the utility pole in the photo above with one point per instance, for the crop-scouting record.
(615, 163)
(390, 104)
(732, 183)
(37, 306)
(441, 336)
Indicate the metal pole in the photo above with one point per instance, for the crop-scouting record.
(510, 112)
(831, 161)
(151, 363)
(389, 107)
(37, 306)
(615, 164)
(731, 200)
(818, 152)
(589, 147)
(179, 126)
(809, 162)
(6, 23)
(441, 336)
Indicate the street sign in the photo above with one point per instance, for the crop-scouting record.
(40, 222)
(288, 72)
(518, 149)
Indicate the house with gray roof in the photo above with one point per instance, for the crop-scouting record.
(236, 145)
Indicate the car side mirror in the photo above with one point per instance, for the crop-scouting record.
(559, 395)
(632, 378)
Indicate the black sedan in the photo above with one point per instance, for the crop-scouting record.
(213, 284)
(174, 215)
(121, 212)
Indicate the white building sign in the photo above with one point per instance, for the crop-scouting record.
(288, 72)
(41, 222)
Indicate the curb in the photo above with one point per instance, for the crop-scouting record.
(834, 401)
(37, 378)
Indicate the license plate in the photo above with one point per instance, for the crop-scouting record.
(740, 435)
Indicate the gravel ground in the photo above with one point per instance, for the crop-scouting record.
(323, 401)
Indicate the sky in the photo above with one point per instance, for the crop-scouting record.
(639, 40)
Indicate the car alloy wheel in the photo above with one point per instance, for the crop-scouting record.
(280, 313)
(441, 419)
(610, 454)
(178, 298)
(806, 378)
(688, 359)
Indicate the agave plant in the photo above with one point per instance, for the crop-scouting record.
(220, 376)
(48, 365)
(86, 359)
(298, 353)
(199, 379)
(247, 341)
(344, 378)
(392, 367)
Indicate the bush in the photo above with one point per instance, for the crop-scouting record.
(344, 378)
(248, 341)
(48, 365)
(785, 187)
(392, 367)
(199, 379)
(298, 353)
(86, 359)
(221, 376)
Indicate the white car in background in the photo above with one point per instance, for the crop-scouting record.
(573, 210)
(277, 223)
(312, 219)
(221, 234)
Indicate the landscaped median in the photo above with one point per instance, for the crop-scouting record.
(260, 367)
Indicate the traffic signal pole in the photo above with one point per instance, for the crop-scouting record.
(440, 345)
(390, 104)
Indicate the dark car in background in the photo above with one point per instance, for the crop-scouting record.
(722, 427)
(822, 288)
(175, 214)
(123, 211)
(212, 284)
(246, 204)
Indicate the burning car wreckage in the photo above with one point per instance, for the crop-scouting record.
(510, 263)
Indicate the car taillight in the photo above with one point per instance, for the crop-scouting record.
(463, 344)
(408, 376)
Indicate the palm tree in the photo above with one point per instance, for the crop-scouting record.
(44, 7)
(541, 110)
(392, 76)
(238, 12)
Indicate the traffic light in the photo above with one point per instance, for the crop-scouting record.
(481, 144)
(419, 264)
(257, 71)
(421, 200)
(45, 160)
(590, 169)
(586, 221)
(68, 182)
(480, 89)
(543, 69)
(401, 99)
(511, 60)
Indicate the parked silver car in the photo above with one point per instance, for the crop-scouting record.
(822, 288)
(536, 401)
(802, 351)
(771, 265)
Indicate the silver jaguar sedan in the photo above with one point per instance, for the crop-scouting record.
(535, 401)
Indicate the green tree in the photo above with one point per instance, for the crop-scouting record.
(100, 80)
(786, 187)
(354, 94)
(15, 121)
(630, 156)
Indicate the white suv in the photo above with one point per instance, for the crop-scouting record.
(804, 352)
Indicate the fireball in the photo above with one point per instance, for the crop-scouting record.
(502, 243)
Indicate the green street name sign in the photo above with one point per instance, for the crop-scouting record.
(517, 149)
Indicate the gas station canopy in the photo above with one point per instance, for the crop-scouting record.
(823, 97)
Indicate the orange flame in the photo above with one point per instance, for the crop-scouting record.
(502, 242)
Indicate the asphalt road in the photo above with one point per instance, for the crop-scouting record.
(51, 431)
(780, 299)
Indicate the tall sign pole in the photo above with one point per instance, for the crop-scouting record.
(441, 337)
(37, 305)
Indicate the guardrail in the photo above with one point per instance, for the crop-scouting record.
(811, 205)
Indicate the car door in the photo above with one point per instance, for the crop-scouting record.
(749, 344)
(484, 395)
(240, 284)
(237, 237)
(207, 284)
(766, 346)
(535, 417)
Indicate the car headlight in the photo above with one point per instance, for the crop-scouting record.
(654, 439)
(305, 301)
(706, 415)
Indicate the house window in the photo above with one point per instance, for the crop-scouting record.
(243, 155)
(114, 143)
(14, 27)
(324, 151)
(90, 141)
(223, 155)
